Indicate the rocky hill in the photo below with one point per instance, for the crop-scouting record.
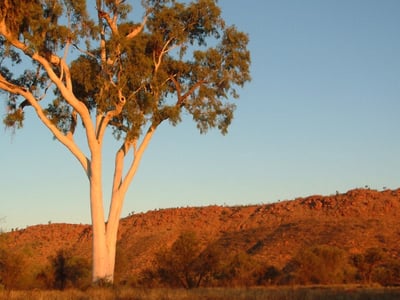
(271, 233)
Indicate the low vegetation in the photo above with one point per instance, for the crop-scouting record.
(188, 264)
(281, 293)
(339, 245)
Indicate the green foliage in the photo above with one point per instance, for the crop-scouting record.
(185, 58)
(39, 23)
(14, 119)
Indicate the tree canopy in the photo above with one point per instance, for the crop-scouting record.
(180, 56)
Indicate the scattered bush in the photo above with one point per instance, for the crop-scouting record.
(11, 269)
(185, 264)
(270, 275)
(388, 273)
(190, 264)
(321, 264)
(65, 270)
(366, 263)
(237, 269)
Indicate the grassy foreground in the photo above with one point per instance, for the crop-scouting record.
(279, 293)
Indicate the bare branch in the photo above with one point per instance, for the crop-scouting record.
(111, 22)
(182, 98)
(157, 60)
(138, 29)
(138, 153)
(102, 34)
(84, 51)
(119, 165)
(120, 186)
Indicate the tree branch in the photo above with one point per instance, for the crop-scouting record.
(138, 154)
(138, 29)
(104, 119)
(69, 96)
(157, 60)
(111, 22)
(120, 186)
(66, 140)
(102, 35)
(66, 91)
(119, 166)
(182, 98)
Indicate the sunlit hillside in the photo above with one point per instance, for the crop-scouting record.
(269, 234)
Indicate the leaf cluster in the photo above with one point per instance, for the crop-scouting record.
(45, 26)
(184, 60)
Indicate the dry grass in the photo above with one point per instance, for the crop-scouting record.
(279, 293)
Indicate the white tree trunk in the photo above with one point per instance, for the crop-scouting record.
(105, 235)
(101, 264)
(112, 234)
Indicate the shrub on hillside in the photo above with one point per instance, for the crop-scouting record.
(269, 275)
(388, 273)
(65, 270)
(366, 263)
(321, 264)
(11, 269)
(237, 269)
(185, 264)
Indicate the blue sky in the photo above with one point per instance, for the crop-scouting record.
(321, 115)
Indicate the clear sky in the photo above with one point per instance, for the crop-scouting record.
(322, 114)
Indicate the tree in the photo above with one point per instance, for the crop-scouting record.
(268, 275)
(67, 268)
(321, 264)
(387, 273)
(12, 265)
(128, 76)
(64, 270)
(237, 269)
(185, 264)
(366, 262)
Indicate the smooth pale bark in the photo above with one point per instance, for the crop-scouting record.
(105, 235)
(100, 253)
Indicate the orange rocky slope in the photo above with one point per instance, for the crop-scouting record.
(272, 233)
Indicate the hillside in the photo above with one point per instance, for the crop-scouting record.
(271, 233)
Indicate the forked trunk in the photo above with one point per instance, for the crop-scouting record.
(104, 235)
(103, 266)
(104, 244)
